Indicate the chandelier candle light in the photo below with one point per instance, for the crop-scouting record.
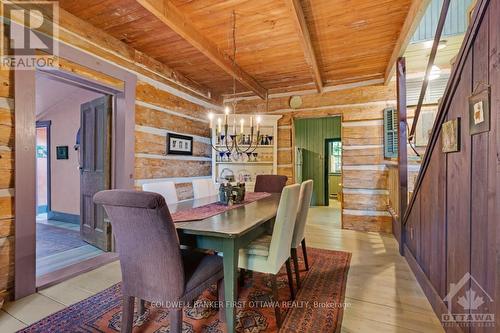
(229, 142)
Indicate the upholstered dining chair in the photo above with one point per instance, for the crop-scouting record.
(203, 188)
(153, 266)
(299, 239)
(268, 253)
(270, 183)
(166, 189)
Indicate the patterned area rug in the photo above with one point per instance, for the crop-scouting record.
(51, 240)
(317, 308)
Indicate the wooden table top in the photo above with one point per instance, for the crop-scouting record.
(232, 223)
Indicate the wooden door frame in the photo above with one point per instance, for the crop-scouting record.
(25, 141)
(326, 166)
(46, 124)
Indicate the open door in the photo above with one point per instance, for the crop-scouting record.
(95, 170)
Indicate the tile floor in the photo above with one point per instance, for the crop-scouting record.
(382, 293)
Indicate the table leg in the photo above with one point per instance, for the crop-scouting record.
(230, 253)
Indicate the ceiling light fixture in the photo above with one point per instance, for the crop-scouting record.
(435, 73)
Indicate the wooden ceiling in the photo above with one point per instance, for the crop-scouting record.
(349, 40)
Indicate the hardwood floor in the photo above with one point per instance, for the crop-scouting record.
(382, 294)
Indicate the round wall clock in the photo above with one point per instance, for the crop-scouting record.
(295, 102)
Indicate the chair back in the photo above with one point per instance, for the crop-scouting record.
(306, 189)
(270, 183)
(203, 188)
(147, 242)
(279, 249)
(166, 189)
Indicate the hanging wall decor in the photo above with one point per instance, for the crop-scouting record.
(179, 144)
(451, 136)
(479, 111)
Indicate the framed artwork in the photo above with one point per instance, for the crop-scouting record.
(479, 112)
(424, 127)
(62, 152)
(451, 136)
(179, 144)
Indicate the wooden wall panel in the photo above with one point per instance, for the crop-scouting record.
(364, 156)
(376, 202)
(145, 92)
(6, 265)
(456, 200)
(433, 222)
(367, 223)
(284, 137)
(412, 229)
(366, 179)
(184, 191)
(484, 148)
(363, 135)
(285, 156)
(150, 168)
(153, 118)
(6, 227)
(458, 188)
(6, 207)
(159, 112)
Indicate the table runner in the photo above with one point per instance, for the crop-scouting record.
(215, 208)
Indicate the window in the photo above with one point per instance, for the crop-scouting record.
(390, 133)
(335, 157)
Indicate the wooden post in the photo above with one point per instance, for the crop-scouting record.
(402, 149)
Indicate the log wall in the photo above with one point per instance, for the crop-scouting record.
(158, 112)
(365, 173)
(165, 103)
(6, 181)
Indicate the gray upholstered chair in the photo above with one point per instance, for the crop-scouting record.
(299, 239)
(154, 268)
(270, 183)
(268, 253)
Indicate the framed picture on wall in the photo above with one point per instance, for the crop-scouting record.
(62, 153)
(451, 136)
(479, 112)
(179, 144)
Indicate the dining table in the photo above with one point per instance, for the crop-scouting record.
(227, 233)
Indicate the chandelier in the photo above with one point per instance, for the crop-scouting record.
(230, 142)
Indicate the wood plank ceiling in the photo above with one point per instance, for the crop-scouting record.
(353, 40)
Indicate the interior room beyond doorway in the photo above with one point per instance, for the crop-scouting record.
(58, 114)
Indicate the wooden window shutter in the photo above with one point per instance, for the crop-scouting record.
(390, 133)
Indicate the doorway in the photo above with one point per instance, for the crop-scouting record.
(333, 172)
(73, 153)
(318, 149)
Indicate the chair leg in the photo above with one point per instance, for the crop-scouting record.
(304, 250)
(290, 278)
(274, 286)
(141, 306)
(241, 278)
(127, 314)
(296, 267)
(175, 318)
(220, 293)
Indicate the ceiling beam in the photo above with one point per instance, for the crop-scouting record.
(417, 10)
(175, 20)
(305, 40)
